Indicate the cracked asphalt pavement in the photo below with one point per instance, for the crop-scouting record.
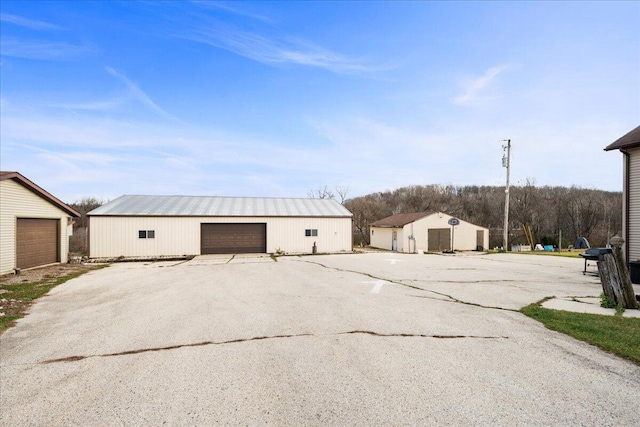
(366, 339)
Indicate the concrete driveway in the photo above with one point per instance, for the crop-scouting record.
(366, 339)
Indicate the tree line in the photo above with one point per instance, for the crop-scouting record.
(549, 212)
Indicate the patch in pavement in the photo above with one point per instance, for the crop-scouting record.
(229, 259)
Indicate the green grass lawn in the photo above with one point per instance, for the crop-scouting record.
(566, 254)
(549, 253)
(615, 334)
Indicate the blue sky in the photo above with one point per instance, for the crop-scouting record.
(278, 98)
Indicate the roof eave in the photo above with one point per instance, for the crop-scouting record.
(622, 146)
(215, 216)
(629, 140)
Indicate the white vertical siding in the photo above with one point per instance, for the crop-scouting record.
(113, 236)
(334, 234)
(633, 245)
(18, 202)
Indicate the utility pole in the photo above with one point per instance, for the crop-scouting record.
(506, 163)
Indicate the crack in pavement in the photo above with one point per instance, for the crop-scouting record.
(376, 334)
(268, 337)
(452, 298)
(456, 301)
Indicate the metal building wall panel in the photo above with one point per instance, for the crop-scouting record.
(113, 236)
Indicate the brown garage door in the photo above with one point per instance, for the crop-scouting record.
(36, 242)
(233, 238)
(439, 239)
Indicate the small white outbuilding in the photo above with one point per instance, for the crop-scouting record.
(160, 226)
(427, 231)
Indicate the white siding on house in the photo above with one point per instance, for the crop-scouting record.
(113, 236)
(633, 244)
(18, 202)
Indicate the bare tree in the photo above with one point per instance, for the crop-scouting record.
(342, 193)
(365, 210)
(78, 242)
(84, 206)
(321, 193)
(525, 207)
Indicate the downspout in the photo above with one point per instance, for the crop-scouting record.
(353, 229)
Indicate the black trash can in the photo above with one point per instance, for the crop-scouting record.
(634, 270)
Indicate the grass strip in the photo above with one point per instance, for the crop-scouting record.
(20, 296)
(615, 334)
(574, 254)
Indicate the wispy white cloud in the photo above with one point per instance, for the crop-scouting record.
(140, 95)
(475, 88)
(39, 49)
(276, 50)
(129, 156)
(28, 23)
(106, 105)
(225, 6)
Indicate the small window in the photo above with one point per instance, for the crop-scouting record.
(146, 234)
(311, 232)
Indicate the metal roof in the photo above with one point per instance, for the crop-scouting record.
(400, 220)
(136, 205)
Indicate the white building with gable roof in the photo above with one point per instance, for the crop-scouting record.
(155, 226)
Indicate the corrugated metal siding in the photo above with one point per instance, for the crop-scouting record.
(18, 202)
(634, 205)
(118, 236)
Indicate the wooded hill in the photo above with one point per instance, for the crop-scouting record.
(594, 214)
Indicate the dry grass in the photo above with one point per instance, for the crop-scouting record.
(19, 291)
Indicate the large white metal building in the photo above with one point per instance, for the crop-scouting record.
(426, 231)
(34, 225)
(155, 226)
